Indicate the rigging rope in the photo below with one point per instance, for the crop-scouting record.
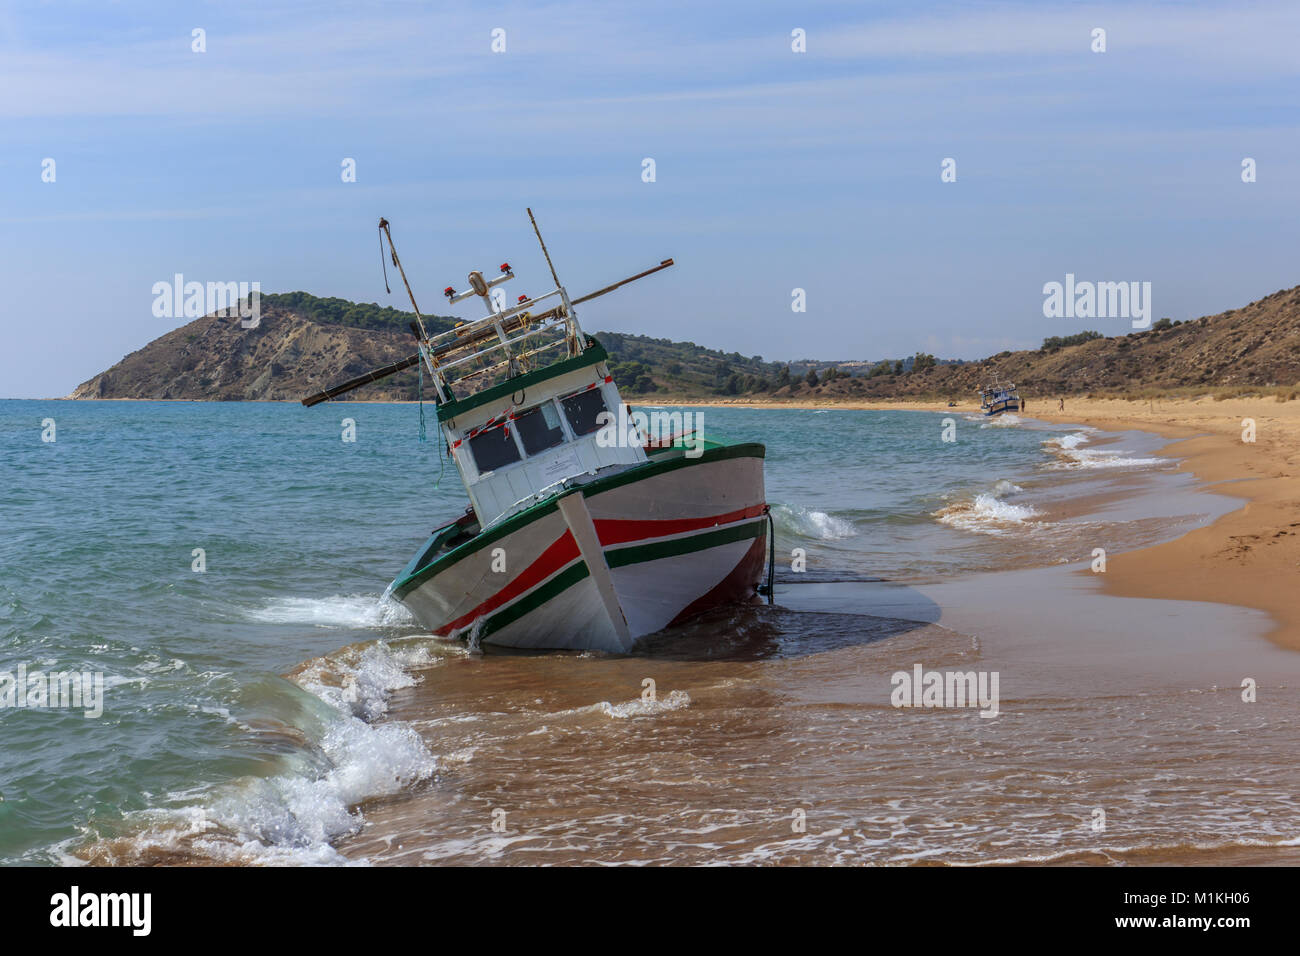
(442, 462)
(423, 436)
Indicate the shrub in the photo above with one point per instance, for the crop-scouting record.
(1055, 342)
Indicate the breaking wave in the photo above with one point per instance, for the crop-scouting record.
(987, 512)
(810, 523)
(675, 700)
(293, 817)
(1070, 454)
(1005, 420)
(351, 610)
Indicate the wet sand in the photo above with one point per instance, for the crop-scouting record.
(773, 740)
(1249, 557)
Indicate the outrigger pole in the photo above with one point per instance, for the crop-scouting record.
(543, 245)
(610, 288)
(511, 324)
(383, 227)
(372, 376)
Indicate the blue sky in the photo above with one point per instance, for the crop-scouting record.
(774, 170)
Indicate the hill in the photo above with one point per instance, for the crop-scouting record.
(1254, 347)
(304, 343)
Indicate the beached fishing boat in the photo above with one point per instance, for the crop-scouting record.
(585, 528)
(995, 399)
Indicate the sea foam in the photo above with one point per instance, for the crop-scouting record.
(339, 610)
(811, 523)
(1070, 454)
(987, 512)
(294, 817)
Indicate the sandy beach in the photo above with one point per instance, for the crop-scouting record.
(1248, 558)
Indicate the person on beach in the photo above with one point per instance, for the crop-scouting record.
(1061, 406)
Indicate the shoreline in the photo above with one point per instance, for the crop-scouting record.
(1250, 556)
(1247, 558)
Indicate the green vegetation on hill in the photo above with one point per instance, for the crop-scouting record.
(1257, 346)
(357, 315)
(641, 365)
(1055, 342)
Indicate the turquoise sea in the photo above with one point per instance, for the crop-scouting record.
(247, 695)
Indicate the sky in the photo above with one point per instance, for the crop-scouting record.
(774, 170)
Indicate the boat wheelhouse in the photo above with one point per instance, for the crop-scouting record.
(581, 531)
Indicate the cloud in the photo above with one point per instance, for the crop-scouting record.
(404, 60)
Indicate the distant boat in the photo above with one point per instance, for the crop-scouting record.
(570, 540)
(995, 398)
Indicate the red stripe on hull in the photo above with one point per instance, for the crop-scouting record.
(737, 586)
(564, 550)
(619, 530)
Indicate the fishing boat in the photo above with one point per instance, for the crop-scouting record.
(995, 398)
(584, 530)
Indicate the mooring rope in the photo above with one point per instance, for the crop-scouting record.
(771, 556)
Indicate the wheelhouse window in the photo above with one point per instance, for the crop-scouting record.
(540, 428)
(493, 449)
(582, 410)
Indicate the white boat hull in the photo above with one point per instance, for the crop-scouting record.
(603, 564)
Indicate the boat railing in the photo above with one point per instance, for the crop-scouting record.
(511, 331)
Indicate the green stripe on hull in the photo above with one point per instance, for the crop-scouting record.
(640, 553)
(478, 543)
(600, 485)
(637, 554)
(556, 586)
